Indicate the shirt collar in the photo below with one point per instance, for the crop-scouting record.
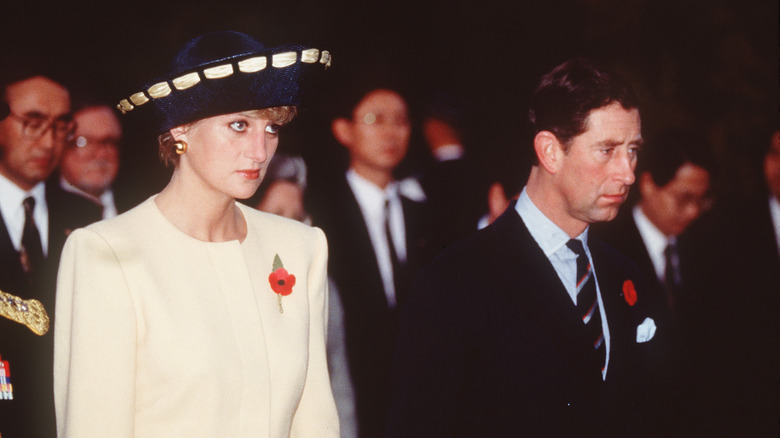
(547, 235)
(368, 192)
(68, 187)
(655, 240)
(11, 195)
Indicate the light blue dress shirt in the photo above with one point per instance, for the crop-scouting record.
(552, 240)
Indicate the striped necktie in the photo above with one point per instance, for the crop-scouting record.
(587, 304)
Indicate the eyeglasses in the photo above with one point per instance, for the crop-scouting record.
(86, 145)
(34, 127)
(381, 119)
(683, 200)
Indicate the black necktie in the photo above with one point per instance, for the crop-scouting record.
(671, 276)
(398, 267)
(587, 303)
(32, 250)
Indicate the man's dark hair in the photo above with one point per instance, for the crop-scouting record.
(19, 68)
(565, 96)
(670, 150)
(350, 89)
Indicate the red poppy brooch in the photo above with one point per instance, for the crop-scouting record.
(629, 292)
(282, 282)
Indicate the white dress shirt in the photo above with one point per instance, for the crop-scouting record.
(655, 242)
(371, 200)
(12, 209)
(552, 240)
(774, 212)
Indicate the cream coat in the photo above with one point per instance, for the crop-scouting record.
(159, 334)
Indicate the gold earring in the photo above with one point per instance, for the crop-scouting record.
(180, 147)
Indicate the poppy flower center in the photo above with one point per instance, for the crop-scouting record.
(280, 282)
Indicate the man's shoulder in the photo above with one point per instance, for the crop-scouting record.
(618, 230)
(70, 209)
(608, 253)
(507, 238)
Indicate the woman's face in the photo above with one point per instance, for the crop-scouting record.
(227, 154)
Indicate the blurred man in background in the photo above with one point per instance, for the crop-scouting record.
(35, 219)
(90, 161)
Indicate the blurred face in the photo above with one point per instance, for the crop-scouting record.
(284, 198)
(674, 206)
(598, 168)
(227, 155)
(772, 165)
(378, 134)
(34, 133)
(91, 161)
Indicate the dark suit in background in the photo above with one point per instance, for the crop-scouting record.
(674, 379)
(738, 348)
(370, 324)
(31, 412)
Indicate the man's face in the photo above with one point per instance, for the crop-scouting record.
(597, 170)
(772, 165)
(28, 160)
(675, 205)
(91, 161)
(378, 132)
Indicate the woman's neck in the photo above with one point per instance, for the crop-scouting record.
(201, 214)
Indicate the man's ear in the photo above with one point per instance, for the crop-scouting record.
(549, 151)
(342, 130)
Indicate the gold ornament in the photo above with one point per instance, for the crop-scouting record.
(28, 312)
(180, 146)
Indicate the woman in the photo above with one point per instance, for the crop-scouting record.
(192, 315)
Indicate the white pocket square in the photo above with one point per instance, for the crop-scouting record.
(645, 331)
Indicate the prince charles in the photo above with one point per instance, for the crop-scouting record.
(530, 327)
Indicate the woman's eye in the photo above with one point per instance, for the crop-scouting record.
(238, 126)
(273, 128)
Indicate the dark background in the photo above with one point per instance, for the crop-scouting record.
(711, 65)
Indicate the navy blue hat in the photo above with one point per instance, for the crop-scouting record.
(227, 72)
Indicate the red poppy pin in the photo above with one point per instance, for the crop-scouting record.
(282, 282)
(629, 292)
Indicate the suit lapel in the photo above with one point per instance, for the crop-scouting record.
(12, 278)
(546, 299)
(611, 278)
(355, 261)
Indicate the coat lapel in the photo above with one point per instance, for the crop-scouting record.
(622, 328)
(546, 299)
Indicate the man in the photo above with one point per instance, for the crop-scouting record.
(34, 222)
(674, 179)
(90, 162)
(674, 190)
(511, 332)
(377, 235)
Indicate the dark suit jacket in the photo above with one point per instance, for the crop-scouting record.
(491, 345)
(673, 356)
(739, 348)
(370, 325)
(31, 412)
(457, 194)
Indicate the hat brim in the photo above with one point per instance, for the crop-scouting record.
(276, 76)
